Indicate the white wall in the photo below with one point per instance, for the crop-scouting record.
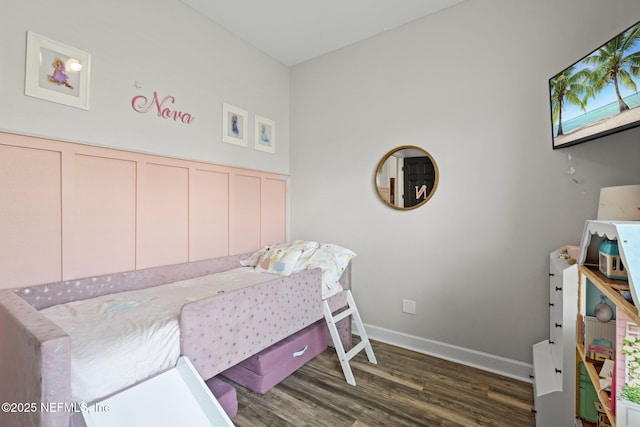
(469, 85)
(165, 46)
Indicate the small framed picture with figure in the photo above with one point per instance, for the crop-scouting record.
(234, 125)
(265, 130)
(57, 72)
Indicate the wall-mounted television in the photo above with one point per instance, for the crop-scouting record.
(598, 95)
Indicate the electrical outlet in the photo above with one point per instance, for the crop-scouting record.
(408, 306)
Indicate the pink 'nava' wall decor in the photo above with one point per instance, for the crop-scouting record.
(70, 210)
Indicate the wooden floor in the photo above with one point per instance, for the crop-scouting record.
(405, 388)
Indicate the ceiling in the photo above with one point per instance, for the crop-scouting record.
(293, 31)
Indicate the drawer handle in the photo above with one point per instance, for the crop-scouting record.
(558, 325)
(301, 352)
(551, 304)
(558, 371)
(552, 342)
(558, 289)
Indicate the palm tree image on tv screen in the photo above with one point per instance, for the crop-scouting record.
(598, 95)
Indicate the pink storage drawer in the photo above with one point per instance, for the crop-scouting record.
(225, 394)
(264, 370)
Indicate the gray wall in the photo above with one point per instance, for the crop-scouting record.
(469, 85)
(165, 46)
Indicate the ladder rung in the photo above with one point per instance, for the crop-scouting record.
(335, 336)
(338, 317)
(355, 350)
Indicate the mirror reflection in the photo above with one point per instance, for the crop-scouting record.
(406, 177)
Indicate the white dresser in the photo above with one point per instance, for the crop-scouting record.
(554, 360)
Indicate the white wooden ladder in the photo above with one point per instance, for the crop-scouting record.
(332, 320)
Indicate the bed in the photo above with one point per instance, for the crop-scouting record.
(218, 327)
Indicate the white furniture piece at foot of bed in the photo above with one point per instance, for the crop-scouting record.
(345, 357)
(175, 397)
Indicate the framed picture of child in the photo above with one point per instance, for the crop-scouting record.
(57, 72)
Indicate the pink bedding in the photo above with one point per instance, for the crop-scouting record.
(120, 339)
(216, 333)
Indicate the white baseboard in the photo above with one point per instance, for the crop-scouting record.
(476, 359)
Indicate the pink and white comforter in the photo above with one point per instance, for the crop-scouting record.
(120, 339)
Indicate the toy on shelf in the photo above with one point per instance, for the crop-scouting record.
(603, 421)
(610, 263)
(601, 351)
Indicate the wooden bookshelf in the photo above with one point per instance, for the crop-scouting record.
(611, 289)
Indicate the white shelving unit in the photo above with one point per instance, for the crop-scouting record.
(554, 359)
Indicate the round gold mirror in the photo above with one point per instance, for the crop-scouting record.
(406, 177)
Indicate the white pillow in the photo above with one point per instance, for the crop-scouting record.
(255, 257)
(308, 250)
(284, 259)
(332, 260)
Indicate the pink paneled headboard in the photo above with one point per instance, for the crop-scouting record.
(70, 210)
